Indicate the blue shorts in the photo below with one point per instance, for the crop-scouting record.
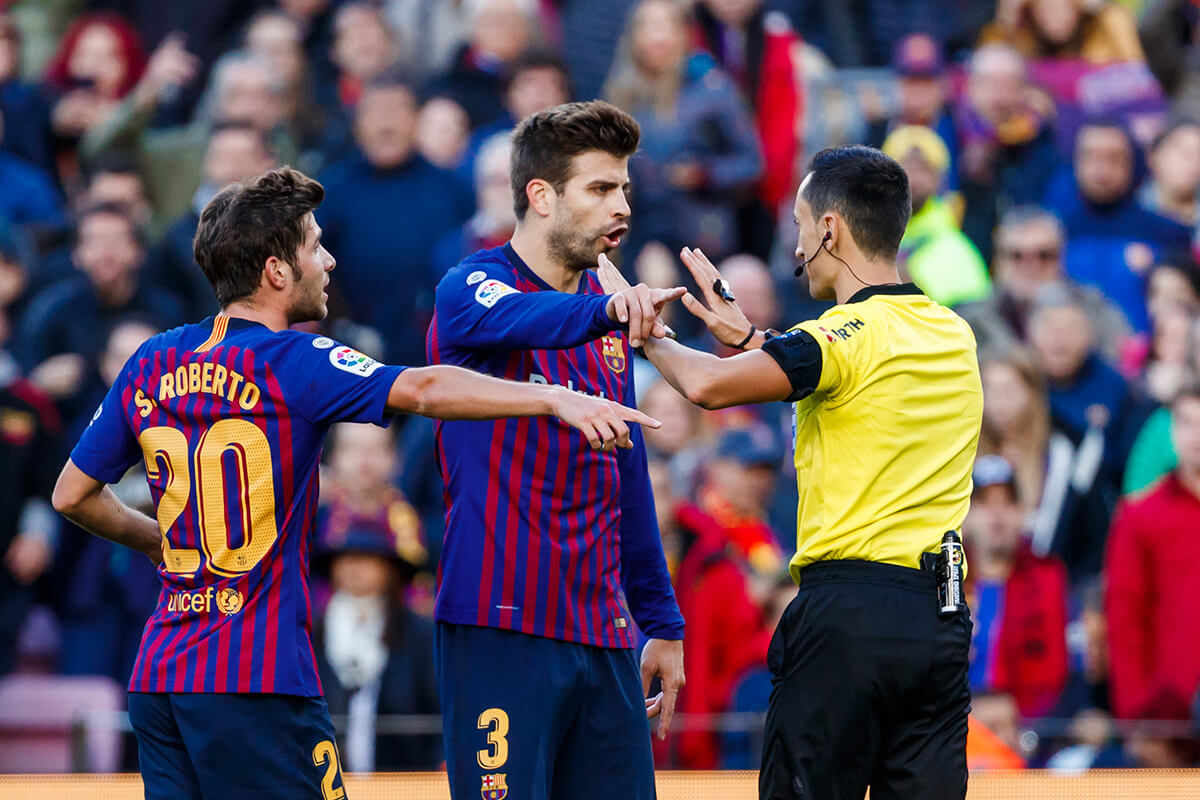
(540, 718)
(230, 746)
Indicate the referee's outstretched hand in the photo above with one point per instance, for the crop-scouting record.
(721, 315)
(662, 658)
(638, 306)
(601, 421)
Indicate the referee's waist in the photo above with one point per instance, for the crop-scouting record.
(856, 571)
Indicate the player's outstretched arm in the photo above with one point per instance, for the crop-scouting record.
(446, 392)
(91, 505)
(705, 379)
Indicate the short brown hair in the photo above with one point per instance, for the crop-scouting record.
(545, 143)
(247, 223)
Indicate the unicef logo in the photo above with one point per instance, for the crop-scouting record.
(229, 601)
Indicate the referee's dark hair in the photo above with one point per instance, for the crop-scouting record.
(868, 189)
(247, 223)
(545, 144)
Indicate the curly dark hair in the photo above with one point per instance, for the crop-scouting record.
(247, 223)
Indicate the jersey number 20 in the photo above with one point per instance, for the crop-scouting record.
(166, 450)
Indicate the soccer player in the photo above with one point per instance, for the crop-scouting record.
(230, 415)
(551, 550)
(869, 672)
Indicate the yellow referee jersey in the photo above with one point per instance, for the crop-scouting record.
(885, 443)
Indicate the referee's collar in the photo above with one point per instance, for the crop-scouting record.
(887, 288)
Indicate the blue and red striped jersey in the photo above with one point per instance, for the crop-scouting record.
(543, 534)
(230, 418)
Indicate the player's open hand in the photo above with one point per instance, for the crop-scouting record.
(662, 658)
(638, 306)
(721, 315)
(602, 421)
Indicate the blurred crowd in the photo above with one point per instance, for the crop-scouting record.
(1053, 149)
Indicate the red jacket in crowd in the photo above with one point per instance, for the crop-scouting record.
(1153, 598)
(725, 632)
(1031, 648)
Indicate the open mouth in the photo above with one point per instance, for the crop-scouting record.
(613, 237)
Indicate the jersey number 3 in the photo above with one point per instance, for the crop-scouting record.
(235, 445)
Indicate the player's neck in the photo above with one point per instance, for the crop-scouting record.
(275, 319)
(531, 247)
(865, 273)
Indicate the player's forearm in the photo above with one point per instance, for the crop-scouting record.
(93, 507)
(446, 392)
(691, 372)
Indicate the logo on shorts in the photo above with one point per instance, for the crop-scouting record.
(489, 292)
(347, 359)
(323, 343)
(475, 277)
(614, 353)
(229, 601)
(494, 787)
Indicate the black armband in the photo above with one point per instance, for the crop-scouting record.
(799, 356)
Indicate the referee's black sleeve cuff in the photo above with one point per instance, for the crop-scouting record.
(799, 356)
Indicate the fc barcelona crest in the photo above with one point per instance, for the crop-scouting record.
(494, 787)
(614, 353)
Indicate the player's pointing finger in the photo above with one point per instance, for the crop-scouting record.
(633, 415)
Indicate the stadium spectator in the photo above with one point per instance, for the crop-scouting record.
(277, 39)
(751, 283)
(494, 220)
(711, 585)
(681, 441)
(1095, 415)
(30, 196)
(24, 107)
(994, 732)
(241, 88)
(1173, 189)
(699, 156)
(65, 327)
(739, 479)
(1151, 570)
(113, 178)
(536, 80)
(428, 33)
(1005, 142)
(363, 48)
(1019, 600)
(1087, 689)
(112, 590)
(1016, 420)
(99, 60)
(922, 81)
(1112, 239)
(498, 32)
(1169, 32)
(236, 151)
(1028, 258)
(315, 18)
(29, 459)
(211, 28)
(387, 181)
(374, 655)
(1097, 31)
(934, 252)
(443, 132)
(754, 46)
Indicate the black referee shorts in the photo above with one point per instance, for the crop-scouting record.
(869, 689)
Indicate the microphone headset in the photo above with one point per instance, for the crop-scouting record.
(823, 246)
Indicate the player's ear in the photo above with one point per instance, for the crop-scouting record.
(541, 197)
(275, 273)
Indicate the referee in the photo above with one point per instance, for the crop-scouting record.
(869, 672)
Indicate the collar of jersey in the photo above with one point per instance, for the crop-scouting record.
(890, 289)
(234, 322)
(523, 268)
